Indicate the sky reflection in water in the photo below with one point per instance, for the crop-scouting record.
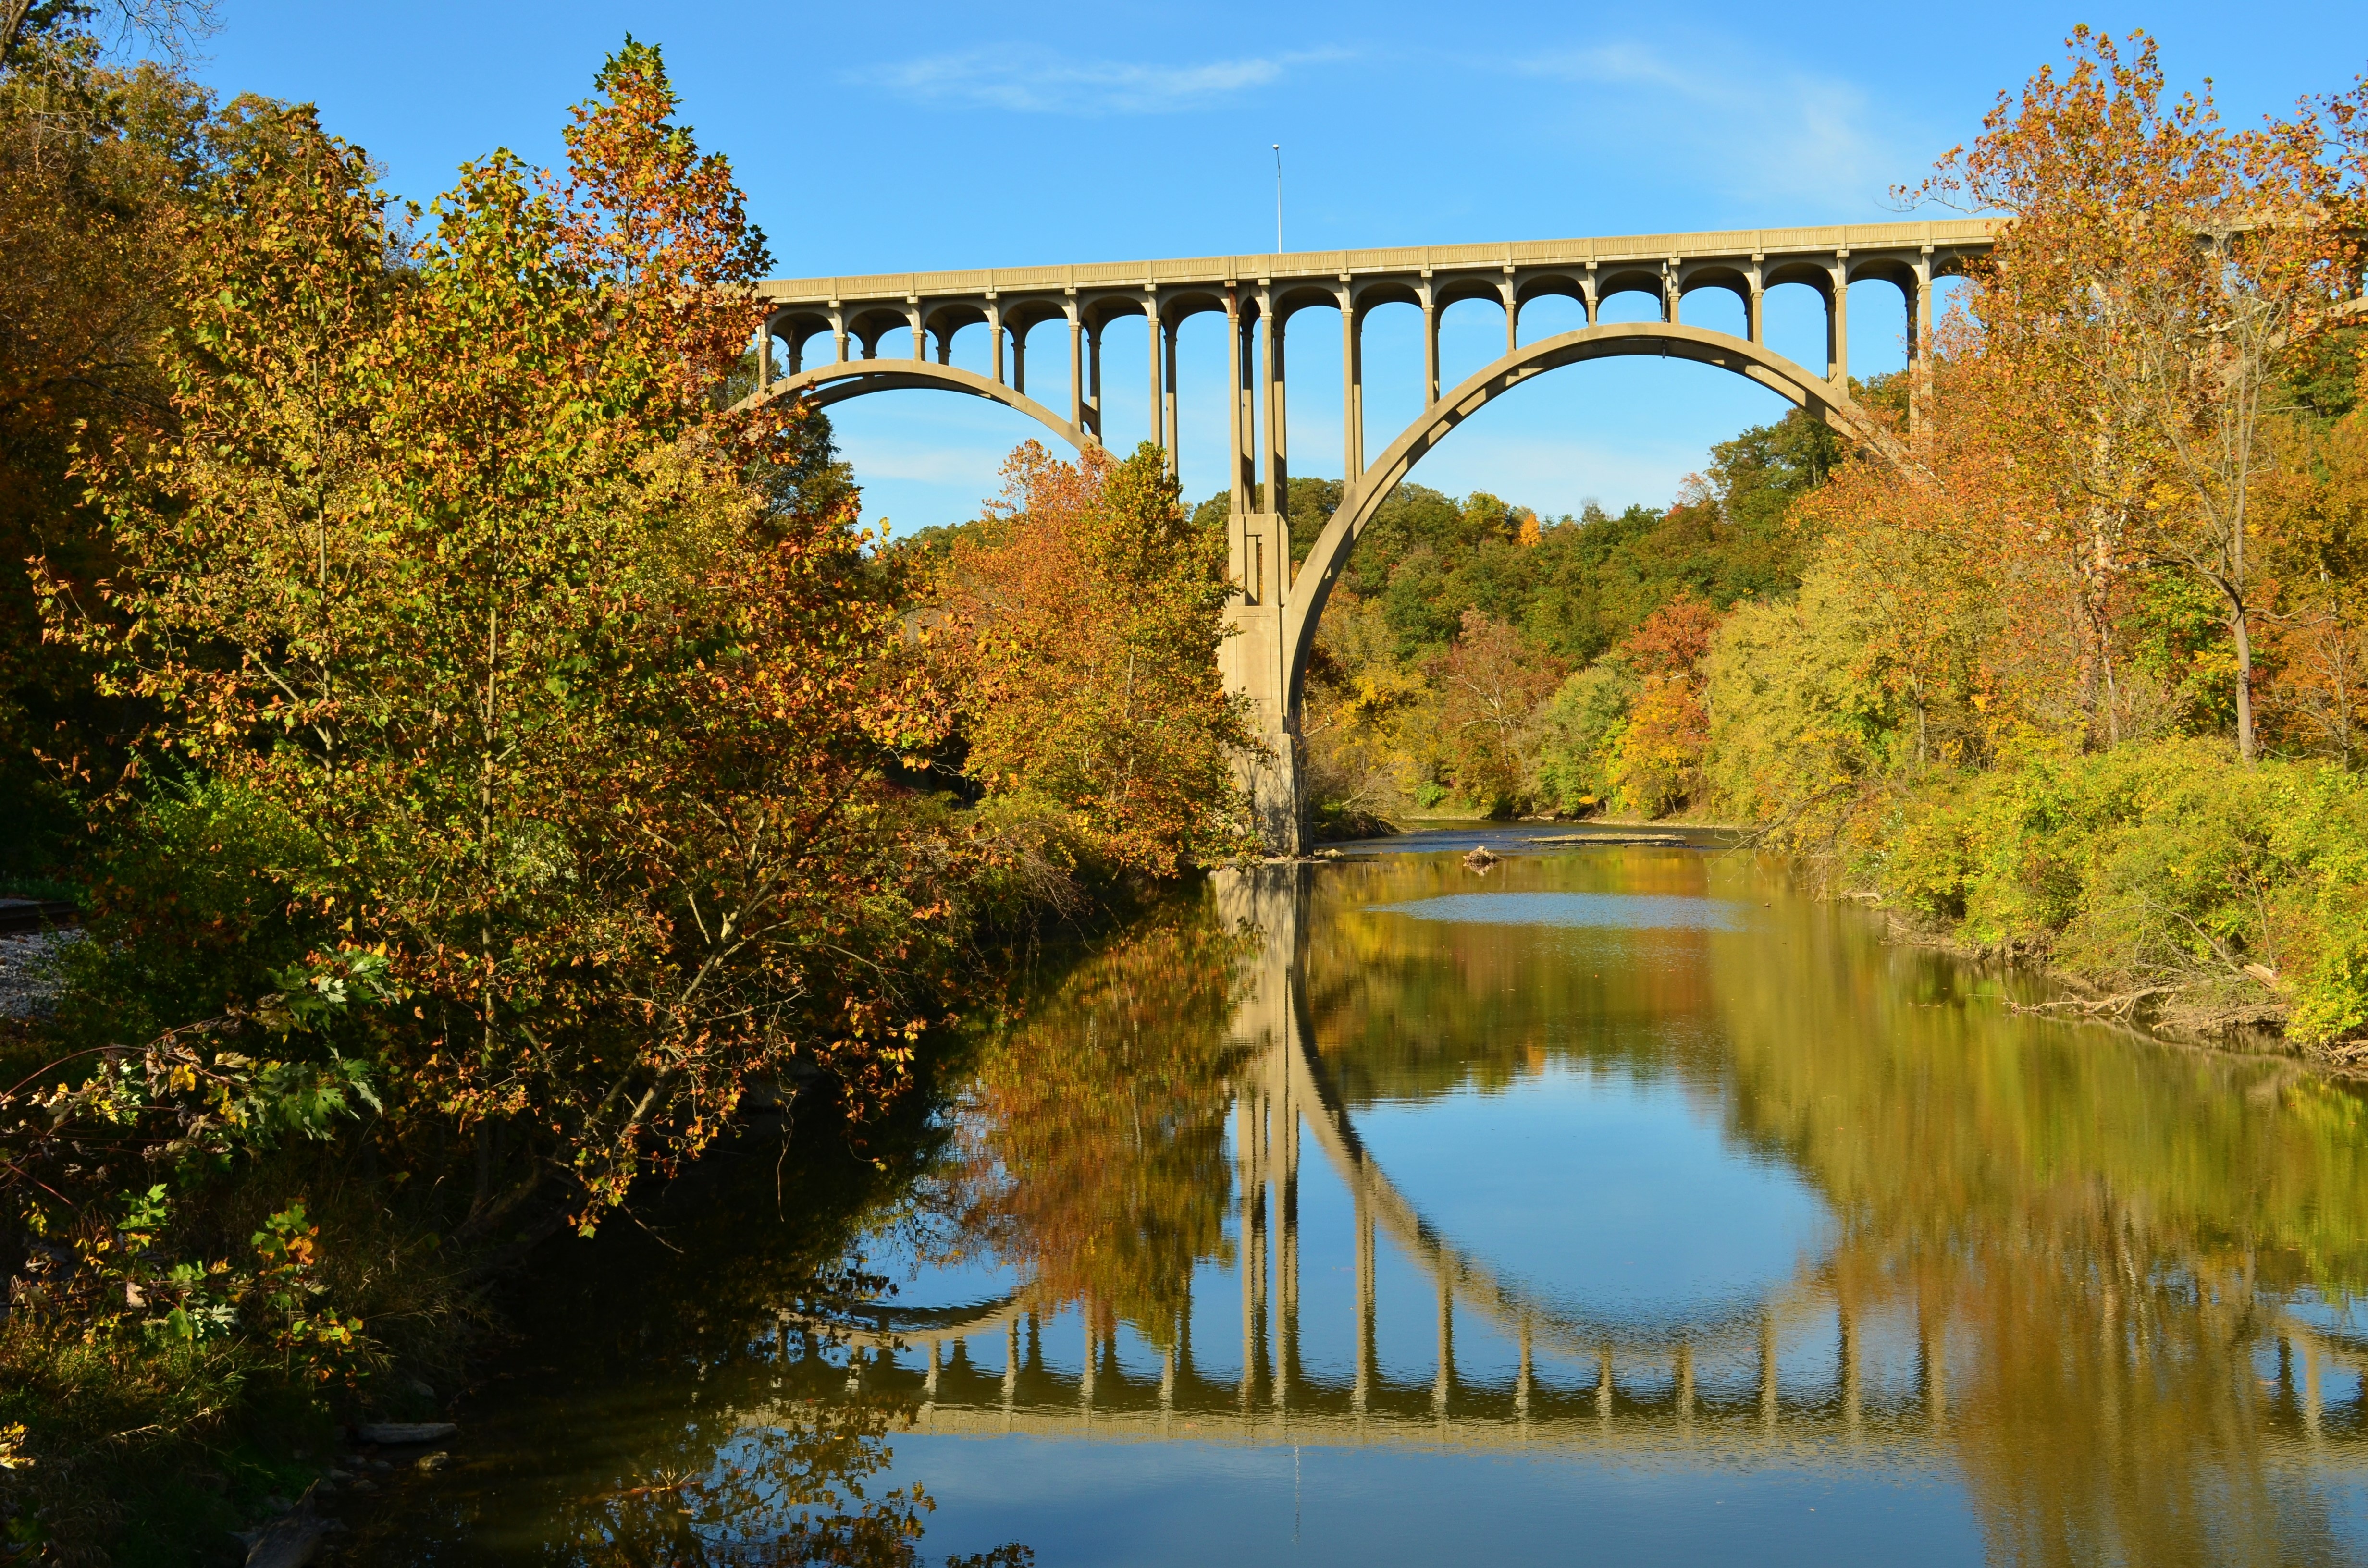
(1624, 911)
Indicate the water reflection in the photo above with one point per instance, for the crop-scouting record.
(1632, 911)
(1278, 1228)
(2100, 1285)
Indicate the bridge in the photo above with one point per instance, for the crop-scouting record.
(895, 319)
(1813, 1365)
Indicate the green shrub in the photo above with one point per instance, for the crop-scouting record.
(2167, 868)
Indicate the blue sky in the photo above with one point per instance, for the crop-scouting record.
(885, 137)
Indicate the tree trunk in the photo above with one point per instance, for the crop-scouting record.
(12, 20)
(2247, 746)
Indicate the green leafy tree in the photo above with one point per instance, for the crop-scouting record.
(447, 566)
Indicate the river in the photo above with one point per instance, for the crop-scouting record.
(1619, 1203)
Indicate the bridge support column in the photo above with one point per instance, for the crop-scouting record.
(1838, 327)
(995, 336)
(1094, 381)
(1151, 409)
(1165, 401)
(1521, 1379)
(1363, 1392)
(1252, 660)
(1932, 1368)
(1352, 389)
(2312, 1414)
(1445, 1384)
(1274, 475)
(1251, 1114)
(1767, 1370)
(1685, 1381)
(1285, 1134)
(764, 346)
(1166, 1385)
(1846, 1377)
(1429, 346)
(1919, 341)
(1077, 370)
(1255, 657)
(1010, 1367)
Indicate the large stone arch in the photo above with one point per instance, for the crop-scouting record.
(1304, 605)
(836, 382)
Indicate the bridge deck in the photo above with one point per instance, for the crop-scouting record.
(1331, 266)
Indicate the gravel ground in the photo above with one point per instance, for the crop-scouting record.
(26, 986)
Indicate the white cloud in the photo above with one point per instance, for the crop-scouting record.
(1030, 81)
(1780, 133)
(1614, 63)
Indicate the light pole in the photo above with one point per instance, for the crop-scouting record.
(1278, 198)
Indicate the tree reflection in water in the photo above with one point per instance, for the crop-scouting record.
(1091, 1146)
(2092, 1241)
(659, 1412)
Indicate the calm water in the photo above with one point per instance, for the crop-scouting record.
(1620, 1204)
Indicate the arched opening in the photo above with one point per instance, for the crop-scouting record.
(1793, 323)
(1550, 313)
(1715, 308)
(1470, 329)
(1630, 303)
(923, 459)
(1785, 377)
(1391, 333)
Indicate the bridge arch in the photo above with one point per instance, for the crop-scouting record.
(1312, 586)
(836, 382)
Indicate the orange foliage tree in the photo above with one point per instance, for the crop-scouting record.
(1077, 632)
(1660, 762)
(2135, 316)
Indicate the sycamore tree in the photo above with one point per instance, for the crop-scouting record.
(1076, 628)
(447, 565)
(2137, 317)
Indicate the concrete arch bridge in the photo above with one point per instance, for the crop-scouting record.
(896, 320)
(1804, 1368)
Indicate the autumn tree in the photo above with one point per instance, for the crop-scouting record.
(2157, 266)
(448, 570)
(95, 163)
(1077, 631)
(1490, 681)
(1658, 762)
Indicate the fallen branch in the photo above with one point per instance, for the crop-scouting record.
(2117, 1006)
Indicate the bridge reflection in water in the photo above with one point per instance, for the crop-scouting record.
(1789, 1373)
